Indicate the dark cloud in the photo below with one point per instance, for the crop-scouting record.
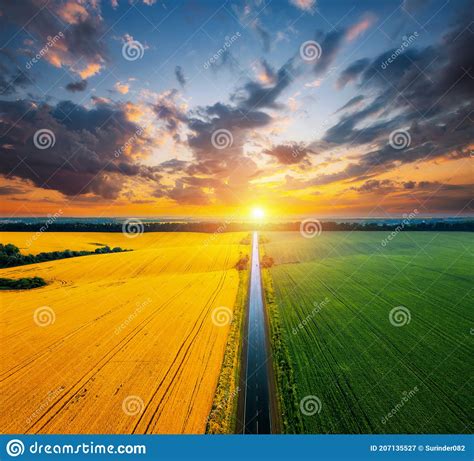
(256, 95)
(77, 27)
(429, 93)
(330, 45)
(351, 72)
(351, 103)
(81, 85)
(178, 71)
(375, 185)
(288, 154)
(12, 77)
(11, 190)
(88, 155)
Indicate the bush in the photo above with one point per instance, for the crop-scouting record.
(21, 284)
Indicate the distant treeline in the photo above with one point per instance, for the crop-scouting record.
(223, 226)
(10, 255)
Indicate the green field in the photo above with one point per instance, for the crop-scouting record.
(333, 295)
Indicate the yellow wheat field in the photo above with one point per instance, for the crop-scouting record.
(117, 343)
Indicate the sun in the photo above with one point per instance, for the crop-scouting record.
(258, 213)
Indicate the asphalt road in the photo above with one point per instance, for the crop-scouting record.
(257, 401)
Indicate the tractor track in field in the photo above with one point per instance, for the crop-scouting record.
(86, 377)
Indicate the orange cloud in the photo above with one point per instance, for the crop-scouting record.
(72, 13)
(122, 88)
(360, 27)
(90, 70)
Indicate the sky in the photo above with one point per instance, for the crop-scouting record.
(213, 108)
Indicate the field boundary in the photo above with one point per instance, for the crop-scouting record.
(286, 398)
(223, 416)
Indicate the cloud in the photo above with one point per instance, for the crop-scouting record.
(11, 190)
(360, 27)
(375, 185)
(77, 46)
(306, 5)
(351, 72)
(122, 88)
(256, 95)
(354, 102)
(332, 42)
(94, 152)
(81, 85)
(263, 34)
(289, 154)
(434, 106)
(178, 71)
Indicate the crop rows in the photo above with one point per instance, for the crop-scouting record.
(335, 294)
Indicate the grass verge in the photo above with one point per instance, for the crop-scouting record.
(223, 416)
(287, 399)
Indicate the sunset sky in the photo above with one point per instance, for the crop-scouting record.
(211, 108)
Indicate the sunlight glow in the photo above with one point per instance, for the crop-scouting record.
(258, 213)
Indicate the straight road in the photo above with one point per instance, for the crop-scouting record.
(257, 400)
